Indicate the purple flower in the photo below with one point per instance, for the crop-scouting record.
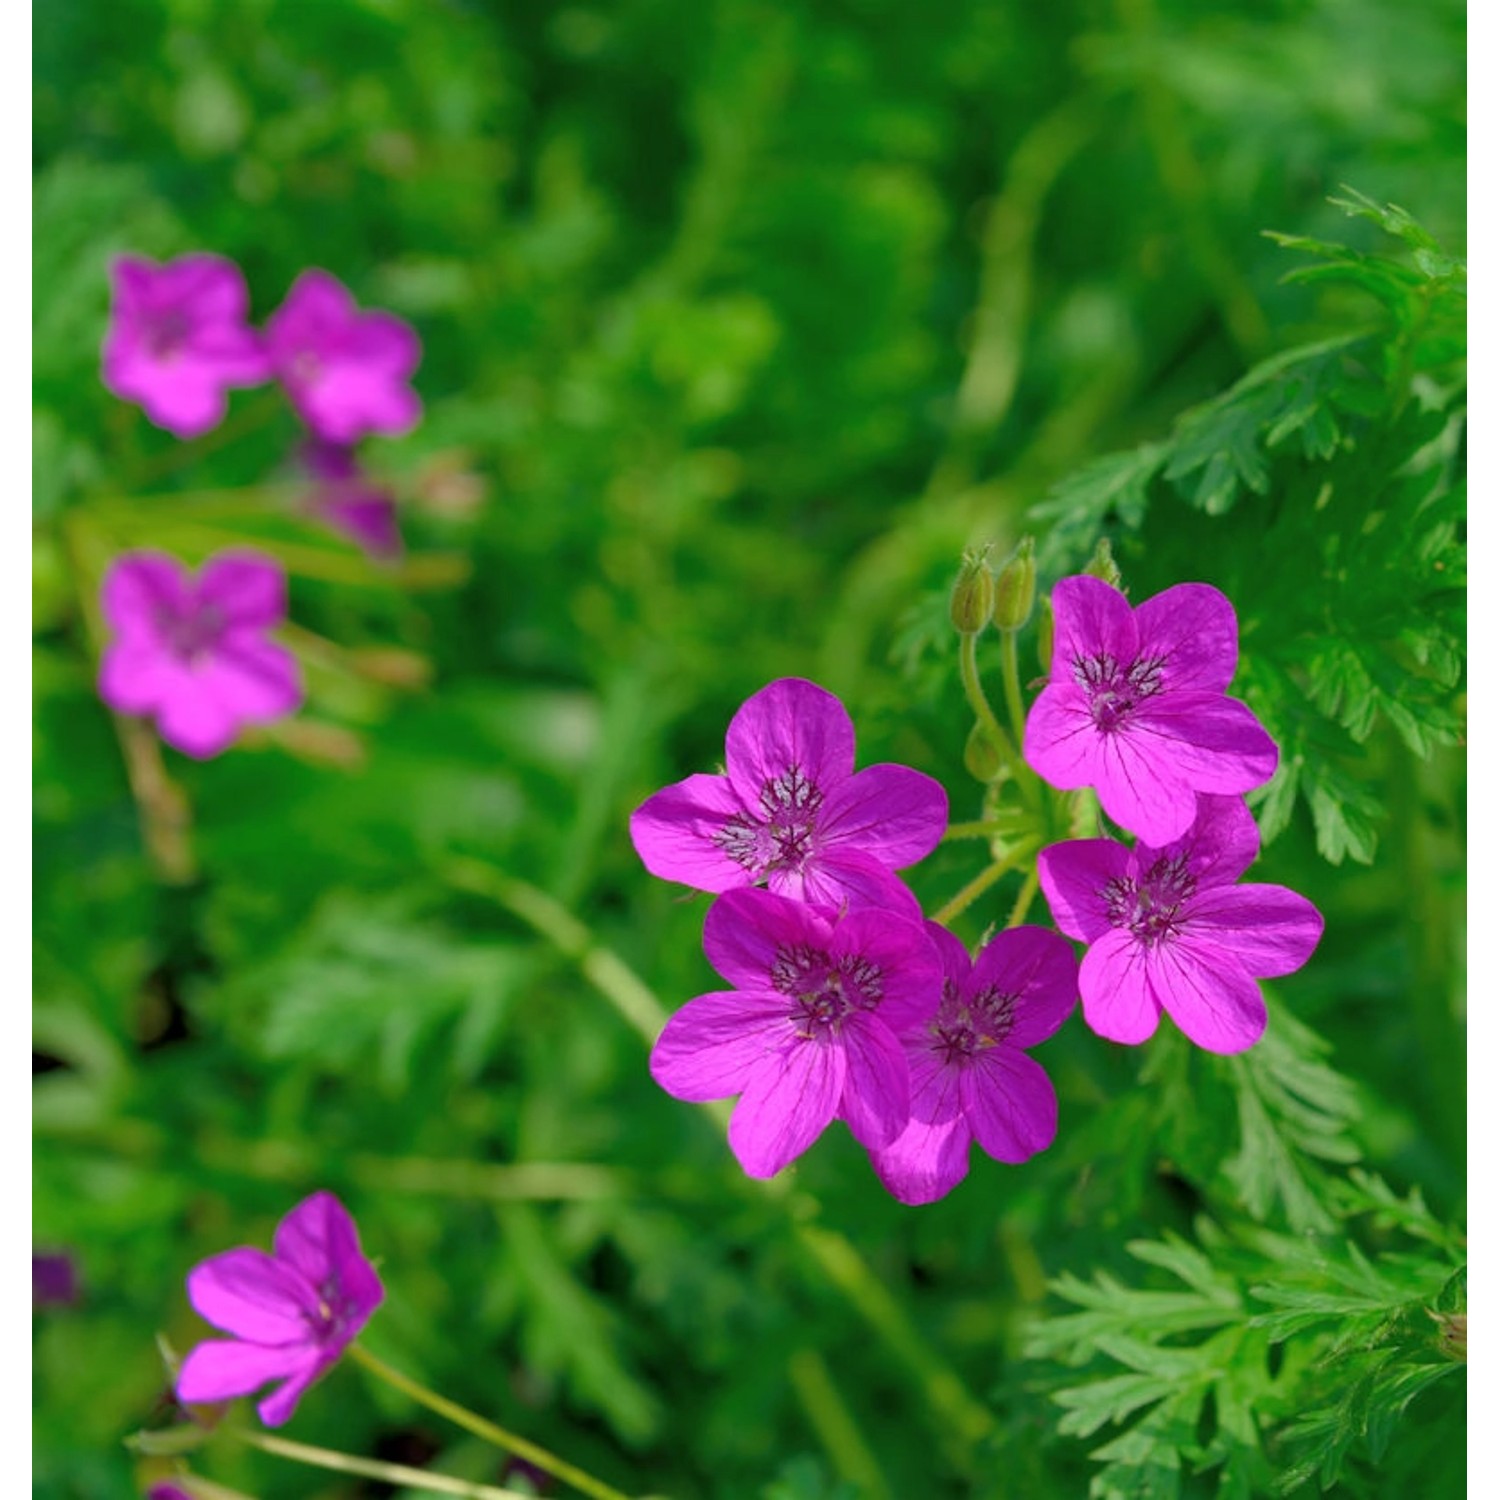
(1169, 930)
(292, 1313)
(970, 1078)
(792, 810)
(168, 1489)
(178, 339)
(1135, 705)
(808, 1032)
(195, 653)
(345, 371)
(349, 501)
(54, 1279)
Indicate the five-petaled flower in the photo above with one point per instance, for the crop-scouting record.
(809, 1031)
(178, 339)
(1169, 930)
(194, 653)
(792, 811)
(1135, 705)
(292, 1313)
(348, 500)
(347, 372)
(971, 1080)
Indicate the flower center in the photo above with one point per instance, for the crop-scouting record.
(1114, 691)
(193, 635)
(824, 990)
(166, 332)
(1150, 907)
(333, 1312)
(306, 367)
(965, 1025)
(786, 838)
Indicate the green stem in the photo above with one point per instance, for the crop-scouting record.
(968, 671)
(374, 1468)
(982, 828)
(1024, 900)
(1013, 703)
(559, 1468)
(829, 1416)
(980, 884)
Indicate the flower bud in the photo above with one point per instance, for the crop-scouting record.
(982, 758)
(1102, 564)
(1044, 636)
(973, 595)
(1015, 588)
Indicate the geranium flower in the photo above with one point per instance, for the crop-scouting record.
(1135, 705)
(194, 653)
(292, 1313)
(971, 1080)
(349, 501)
(792, 810)
(1169, 930)
(809, 1030)
(178, 339)
(346, 371)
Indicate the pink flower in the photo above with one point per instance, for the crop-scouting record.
(292, 1313)
(1135, 705)
(349, 501)
(809, 1030)
(970, 1078)
(194, 653)
(346, 372)
(178, 339)
(792, 810)
(1169, 930)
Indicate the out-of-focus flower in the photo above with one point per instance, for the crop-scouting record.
(1135, 706)
(1169, 930)
(178, 339)
(54, 1279)
(347, 372)
(348, 500)
(971, 1080)
(792, 810)
(809, 1031)
(194, 652)
(292, 1313)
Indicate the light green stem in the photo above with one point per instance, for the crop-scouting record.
(1013, 703)
(979, 885)
(373, 1468)
(559, 1468)
(983, 828)
(830, 1417)
(1024, 900)
(968, 671)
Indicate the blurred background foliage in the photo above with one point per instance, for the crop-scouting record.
(741, 320)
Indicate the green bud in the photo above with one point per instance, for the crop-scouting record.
(1015, 588)
(973, 595)
(1044, 635)
(982, 755)
(1102, 564)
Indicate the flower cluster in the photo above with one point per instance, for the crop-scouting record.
(1135, 708)
(844, 1004)
(193, 651)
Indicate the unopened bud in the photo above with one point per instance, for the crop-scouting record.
(1102, 564)
(1015, 588)
(973, 595)
(982, 759)
(1044, 636)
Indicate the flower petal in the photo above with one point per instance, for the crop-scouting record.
(1139, 787)
(1212, 744)
(848, 878)
(278, 1407)
(253, 1296)
(786, 1106)
(892, 812)
(195, 722)
(1074, 875)
(710, 1048)
(745, 929)
(319, 1238)
(1269, 929)
(674, 832)
(1192, 628)
(790, 723)
(1040, 969)
(221, 1369)
(245, 587)
(1117, 1000)
(1061, 742)
(1206, 992)
(1090, 618)
(1009, 1102)
(911, 969)
(1219, 847)
(138, 675)
(925, 1162)
(139, 586)
(255, 679)
(876, 1102)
